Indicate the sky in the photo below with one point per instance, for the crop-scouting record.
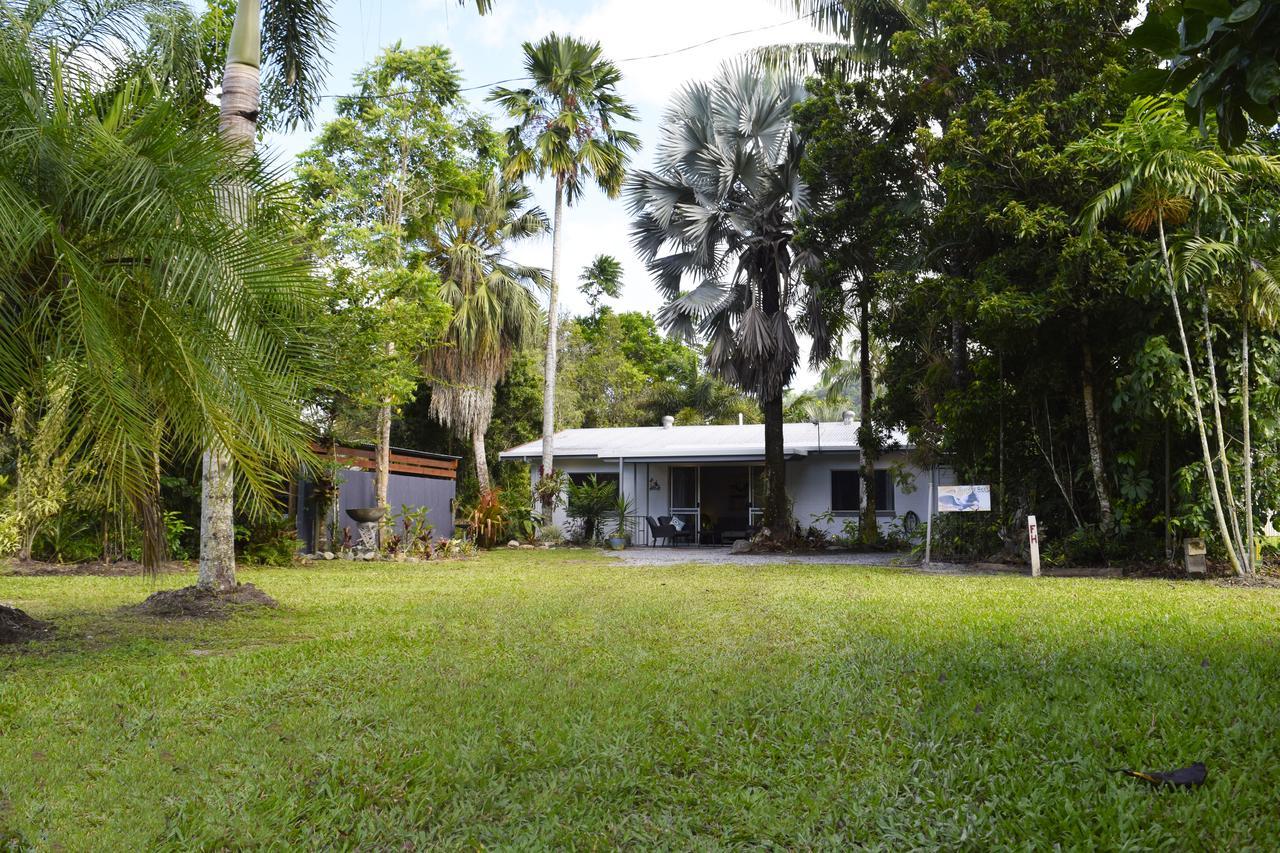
(488, 49)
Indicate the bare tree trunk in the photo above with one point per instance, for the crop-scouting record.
(866, 438)
(1094, 433)
(1245, 377)
(382, 456)
(237, 124)
(482, 460)
(1223, 530)
(549, 378)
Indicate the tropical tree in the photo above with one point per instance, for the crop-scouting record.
(1224, 53)
(382, 176)
(495, 309)
(158, 324)
(1168, 177)
(566, 129)
(292, 36)
(715, 224)
(600, 278)
(864, 223)
(865, 27)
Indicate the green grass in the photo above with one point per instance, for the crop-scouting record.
(550, 700)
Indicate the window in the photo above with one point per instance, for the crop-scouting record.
(884, 491)
(582, 479)
(844, 491)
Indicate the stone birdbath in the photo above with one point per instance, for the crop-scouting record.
(367, 517)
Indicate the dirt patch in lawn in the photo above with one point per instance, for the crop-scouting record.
(99, 568)
(17, 627)
(191, 602)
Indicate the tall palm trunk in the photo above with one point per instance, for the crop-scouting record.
(1245, 377)
(482, 460)
(777, 512)
(1094, 432)
(549, 379)
(1223, 530)
(1232, 515)
(866, 444)
(237, 123)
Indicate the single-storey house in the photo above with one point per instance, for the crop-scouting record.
(709, 477)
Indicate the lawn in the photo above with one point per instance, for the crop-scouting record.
(530, 699)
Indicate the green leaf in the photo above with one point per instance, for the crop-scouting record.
(1158, 34)
(1262, 81)
(1244, 11)
(1217, 8)
(1147, 81)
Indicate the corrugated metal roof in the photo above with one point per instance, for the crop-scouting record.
(702, 442)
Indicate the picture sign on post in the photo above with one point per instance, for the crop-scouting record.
(964, 499)
(1033, 539)
(954, 499)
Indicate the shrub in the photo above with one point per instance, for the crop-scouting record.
(270, 542)
(589, 503)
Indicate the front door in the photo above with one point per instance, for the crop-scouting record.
(686, 497)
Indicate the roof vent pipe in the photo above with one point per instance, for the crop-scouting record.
(668, 422)
(846, 417)
(739, 418)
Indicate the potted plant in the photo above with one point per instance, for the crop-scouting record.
(622, 525)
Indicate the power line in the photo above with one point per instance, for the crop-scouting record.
(644, 58)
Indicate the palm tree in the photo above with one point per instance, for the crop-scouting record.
(600, 278)
(1168, 176)
(124, 287)
(866, 29)
(566, 129)
(495, 310)
(717, 216)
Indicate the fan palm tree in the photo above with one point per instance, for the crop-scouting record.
(1170, 176)
(495, 310)
(566, 129)
(125, 287)
(715, 224)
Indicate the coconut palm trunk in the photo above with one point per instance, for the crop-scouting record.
(549, 378)
(238, 124)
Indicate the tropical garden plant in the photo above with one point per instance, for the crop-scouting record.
(493, 303)
(1174, 182)
(166, 324)
(567, 129)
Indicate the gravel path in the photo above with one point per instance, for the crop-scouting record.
(643, 556)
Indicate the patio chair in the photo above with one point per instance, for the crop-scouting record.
(662, 528)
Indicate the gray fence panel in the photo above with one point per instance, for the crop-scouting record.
(356, 491)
